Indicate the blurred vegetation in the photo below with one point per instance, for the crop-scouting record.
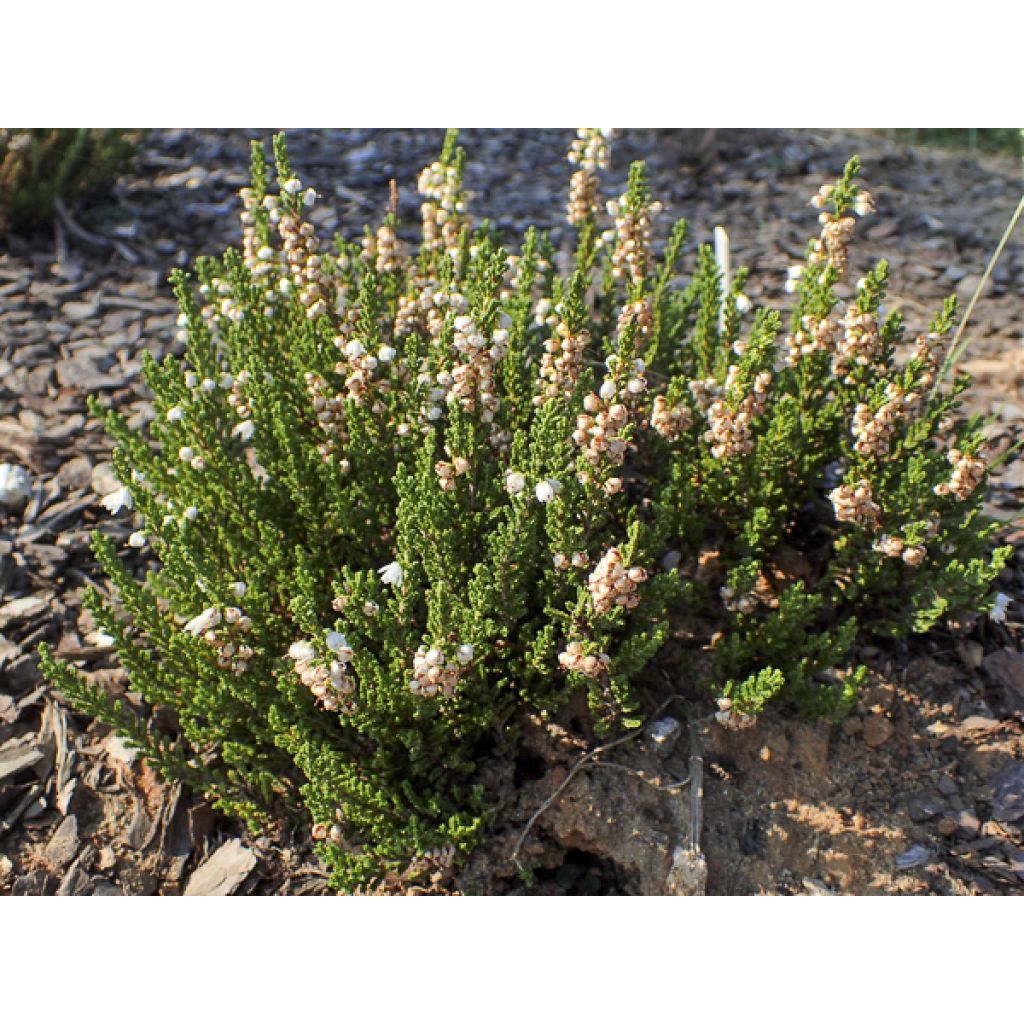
(40, 165)
(990, 140)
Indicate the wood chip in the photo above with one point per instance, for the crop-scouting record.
(1005, 667)
(22, 609)
(63, 845)
(17, 759)
(223, 872)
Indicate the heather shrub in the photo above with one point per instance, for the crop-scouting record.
(40, 165)
(399, 496)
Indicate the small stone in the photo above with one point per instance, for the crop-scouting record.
(76, 473)
(967, 286)
(922, 807)
(967, 821)
(1016, 858)
(915, 857)
(947, 786)
(664, 734)
(15, 486)
(816, 887)
(1005, 667)
(877, 730)
(1008, 803)
(103, 480)
(946, 827)
(107, 858)
(971, 653)
(106, 889)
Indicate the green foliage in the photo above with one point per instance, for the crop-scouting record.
(995, 140)
(398, 499)
(40, 165)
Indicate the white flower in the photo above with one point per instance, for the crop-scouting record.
(191, 513)
(743, 303)
(793, 275)
(292, 186)
(514, 482)
(464, 655)
(186, 454)
(391, 574)
(336, 641)
(607, 391)
(209, 384)
(386, 353)
(238, 589)
(998, 611)
(244, 430)
(102, 639)
(354, 349)
(118, 500)
(191, 379)
(137, 540)
(546, 490)
(176, 414)
(301, 651)
(203, 621)
(309, 196)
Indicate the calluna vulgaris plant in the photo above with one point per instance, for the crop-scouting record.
(400, 497)
(40, 165)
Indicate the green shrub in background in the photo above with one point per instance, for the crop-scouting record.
(40, 165)
(398, 498)
(992, 140)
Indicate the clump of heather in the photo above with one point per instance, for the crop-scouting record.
(399, 496)
(40, 166)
